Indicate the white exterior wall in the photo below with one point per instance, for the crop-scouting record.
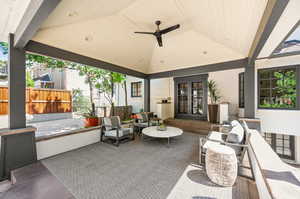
(228, 86)
(48, 148)
(227, 82)
(137, 103)
(161, 88)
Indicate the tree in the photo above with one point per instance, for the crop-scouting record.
(80, 102)
(4, 47)
(119, 78)
(29, 80)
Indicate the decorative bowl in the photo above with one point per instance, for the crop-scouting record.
(162, 128)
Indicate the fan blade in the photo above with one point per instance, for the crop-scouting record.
(164, 31)
(148, 33)
(159, 40)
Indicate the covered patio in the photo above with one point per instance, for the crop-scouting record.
(230, 42)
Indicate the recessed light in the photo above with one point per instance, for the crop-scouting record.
(72, 14)
(88, 38)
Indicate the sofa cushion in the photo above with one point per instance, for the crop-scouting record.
(234, 123)
(214, 135)
(115, 121)
(107, 122)
(236, 135)
(122, 132)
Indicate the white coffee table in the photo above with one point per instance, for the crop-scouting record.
(169, 133)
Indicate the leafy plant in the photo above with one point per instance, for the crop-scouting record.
(91, 113)
(284, 91)
(213, 92)
(29, 80)
(81, 103)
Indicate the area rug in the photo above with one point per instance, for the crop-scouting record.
(141, 169)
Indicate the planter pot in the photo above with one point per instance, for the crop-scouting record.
(89, 122)
(213, 112)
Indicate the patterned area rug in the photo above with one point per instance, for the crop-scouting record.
(141, 169)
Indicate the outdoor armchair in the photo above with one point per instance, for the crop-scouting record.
(142, 121)
(112, 130)
(238, 139)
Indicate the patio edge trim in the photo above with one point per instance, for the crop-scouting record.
(46, 50)
(228, 65)
(36, 13)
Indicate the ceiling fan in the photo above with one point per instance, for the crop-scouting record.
(158, 33)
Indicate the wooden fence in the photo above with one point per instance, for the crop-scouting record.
(40, 101)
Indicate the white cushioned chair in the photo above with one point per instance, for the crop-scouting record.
(238, 139)
(112, 130)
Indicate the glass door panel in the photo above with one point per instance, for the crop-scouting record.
(182, 98)
(197, 98)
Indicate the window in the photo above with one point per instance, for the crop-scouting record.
(277, 88)
(136, 89)
(241, 90)
(283, 145)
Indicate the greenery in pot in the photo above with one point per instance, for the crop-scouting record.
(213, 107)
(213, 92)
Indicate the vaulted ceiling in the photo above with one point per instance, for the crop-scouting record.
(211, 31)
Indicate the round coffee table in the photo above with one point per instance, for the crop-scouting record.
(168, 133)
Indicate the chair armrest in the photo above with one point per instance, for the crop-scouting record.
(112, 128)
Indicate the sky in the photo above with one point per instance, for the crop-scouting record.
(295, 35)
(2, 56)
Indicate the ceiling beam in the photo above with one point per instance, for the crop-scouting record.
(234, 64)
(35, 14)
(46, 50)
(272, 14)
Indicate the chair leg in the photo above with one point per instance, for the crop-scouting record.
(101, 137)
(117, 142)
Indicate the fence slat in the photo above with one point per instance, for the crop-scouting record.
(40, 101)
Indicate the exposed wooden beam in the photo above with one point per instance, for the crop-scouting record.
(35, 14)
(272, 14)
(239, 63)
(43, 49)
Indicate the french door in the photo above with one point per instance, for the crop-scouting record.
(191, 97)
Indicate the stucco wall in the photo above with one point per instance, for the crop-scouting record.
(227, 82)
(228, 86)
(161, 88)
(137, 103)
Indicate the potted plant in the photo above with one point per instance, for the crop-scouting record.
(213, 107)
(91, 119)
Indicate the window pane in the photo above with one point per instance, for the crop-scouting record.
(264, 74)
(277, 88)
(241, 91)
(136, 90)
(265, 83)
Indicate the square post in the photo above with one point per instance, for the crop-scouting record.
(250, 90)
(16, 86)
(146, 95)
(18, 147)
